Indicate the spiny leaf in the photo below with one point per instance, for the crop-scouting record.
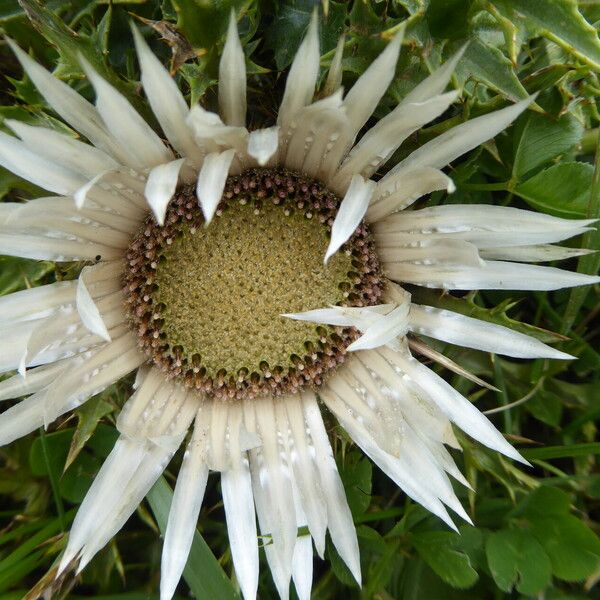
(487, 63)
(71, 45)
(560, 21)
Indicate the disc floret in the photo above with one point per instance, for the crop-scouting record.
(206, 301)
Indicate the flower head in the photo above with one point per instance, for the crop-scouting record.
(244, 275)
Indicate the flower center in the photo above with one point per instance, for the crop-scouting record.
(206, 301)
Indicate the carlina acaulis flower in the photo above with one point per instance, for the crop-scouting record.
(253, 279)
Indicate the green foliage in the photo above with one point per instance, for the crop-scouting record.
(543, 139)
(19, 273)
(442, 551)
(562, 190)
(535, 529)
(516, 559)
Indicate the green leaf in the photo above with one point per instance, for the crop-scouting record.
(356, 473)
(438, 550)
(203, 573)
(57, 444)
(196, 77)
(385, 558)
(573, 548)
(516, 558)
(9, 9)
(561, 22)
(9, 181)
(448, 19)
(202, 22)
(542, 139)
(589, 264)
(88, 417)
(77, 477)
(546, 407)
(487, 64)
(562, 190)
(291, 22)
(19, 273)
(546, 501)
(102, 441)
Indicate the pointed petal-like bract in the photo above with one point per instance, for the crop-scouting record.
(460, 139)
(400, 191)
(125, 124)
(327, 316)
(211, 181)
(160, 187)
(158, 433)
(232, 79)
(334, 76)
(436, 83)
(112, 479)
(165, 98)
(37, 379)
(302, 567)
(382, 140)
(263, 143)
(74, 109)
(63, 149)
(365, 94)
(455, 328)
(33, 303)
(384, 330)
(457, 408)
(302, 78)
(350, 214)
(314, 135)
(40, 247)
(536, 253)
(183, 515)
(238, 500)
(339, 517)
(492, 275)
(423, 349)
(344, 316)
(129, 498)
(16, 157)
(273, 494)
(416, 476)
(488, 221)
(88, 311)
(307, 477)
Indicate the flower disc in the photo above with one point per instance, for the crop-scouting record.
(206, 300)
